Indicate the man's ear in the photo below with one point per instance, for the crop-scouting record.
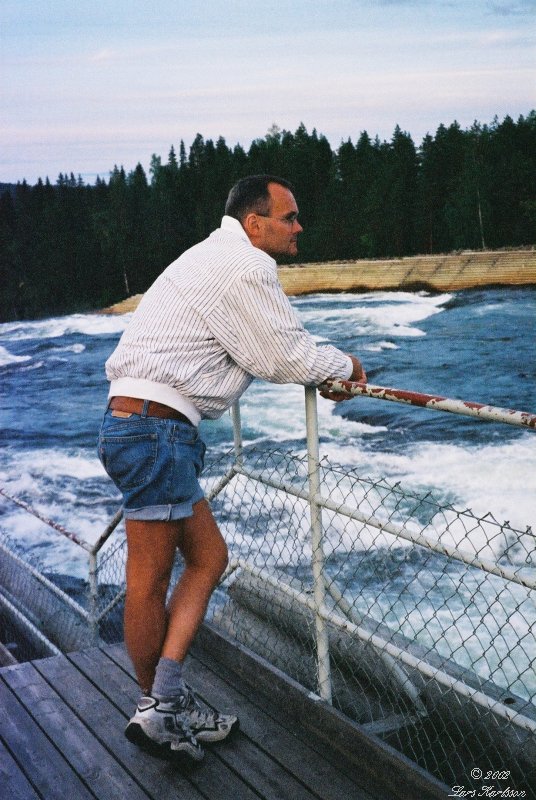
(252, 226)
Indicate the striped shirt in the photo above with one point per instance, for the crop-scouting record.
(216, 318)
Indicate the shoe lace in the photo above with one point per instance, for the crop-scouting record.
(182, 712)
(193, 707)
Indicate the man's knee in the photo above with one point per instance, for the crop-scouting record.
(216, 563)
(144, 588)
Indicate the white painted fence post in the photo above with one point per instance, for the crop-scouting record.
(322, 641)
(237, 432)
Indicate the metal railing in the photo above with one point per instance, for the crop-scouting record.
(309, 620)
(371, 595)
(317, 501)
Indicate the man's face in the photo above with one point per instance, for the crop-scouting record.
(278, 232)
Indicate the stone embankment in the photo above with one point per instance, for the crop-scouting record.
(437, 273)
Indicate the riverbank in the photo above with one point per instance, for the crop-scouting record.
(437, 273)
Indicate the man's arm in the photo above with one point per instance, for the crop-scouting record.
(257, 326)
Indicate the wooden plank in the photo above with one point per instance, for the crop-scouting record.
(309, 766)
(243, 757)
(118, 653)
(268, 777)
(292, 757)
(7, 659)
(277, 734)
(159, 779)
(364, 758)
(87, 756)
(40, 761)
(213, 778)
(14, 783)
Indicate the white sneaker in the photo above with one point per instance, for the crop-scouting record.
(164, 729)
(207, 725)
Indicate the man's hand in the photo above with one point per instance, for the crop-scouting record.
(358, 374)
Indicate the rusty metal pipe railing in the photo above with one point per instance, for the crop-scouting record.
(433, 402)
(55, 525)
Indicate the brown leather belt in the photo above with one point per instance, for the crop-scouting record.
(131, 405)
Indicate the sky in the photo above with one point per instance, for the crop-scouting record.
(89, 84)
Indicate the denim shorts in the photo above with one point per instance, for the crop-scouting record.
(155, 463)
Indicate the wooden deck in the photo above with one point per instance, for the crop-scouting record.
(62, 721)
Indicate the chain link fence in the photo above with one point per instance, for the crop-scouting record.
(428, 647)
(413, 617)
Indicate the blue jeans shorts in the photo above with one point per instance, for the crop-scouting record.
(155, 463)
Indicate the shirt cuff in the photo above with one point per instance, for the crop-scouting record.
(349, 371)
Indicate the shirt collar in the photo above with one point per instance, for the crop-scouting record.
(232, 225)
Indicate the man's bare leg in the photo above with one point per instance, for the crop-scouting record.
(151, 631)
(205, 556)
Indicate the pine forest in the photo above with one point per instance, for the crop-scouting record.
(69, 246)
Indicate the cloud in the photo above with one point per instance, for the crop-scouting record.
(93, 84)
(510, 8)
(503, 8)
(104, 55)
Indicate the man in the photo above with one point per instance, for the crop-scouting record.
(215, 319)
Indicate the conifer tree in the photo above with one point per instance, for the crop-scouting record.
(69, 246)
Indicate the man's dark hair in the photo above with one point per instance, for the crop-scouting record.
(251, 195)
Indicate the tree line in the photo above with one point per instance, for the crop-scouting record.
(70, 246)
